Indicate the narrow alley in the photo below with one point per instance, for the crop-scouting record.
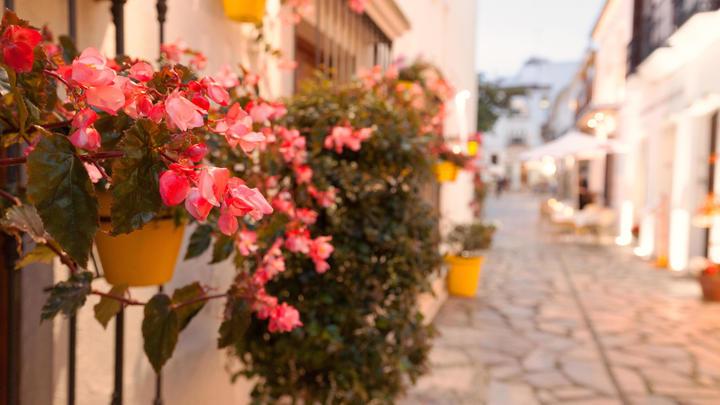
(556, 322)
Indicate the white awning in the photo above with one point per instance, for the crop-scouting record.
(573, 143)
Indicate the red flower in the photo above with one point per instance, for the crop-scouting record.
(18, 47)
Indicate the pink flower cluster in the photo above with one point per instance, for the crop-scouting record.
(174, 52)
(345, 136)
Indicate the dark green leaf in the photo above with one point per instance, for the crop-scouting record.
(187, 293)
(222, 249)
(199, 241)
(108, 307)
(60, 188)
(67, 296)
(69, 50)
(41, 253)
(32, 109)
(135, 190)
(112, 128)
(160, 329)
(237, 320)
(25, 218)
(5, 87)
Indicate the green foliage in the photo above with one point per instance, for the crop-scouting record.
(237, 319)
(465, 239)
(136, 199)
(363, 339)
(67, 296)
(492, 100)
(199, 241)
(61, 190)
(107, 308)
(160, 329)
(187, 312)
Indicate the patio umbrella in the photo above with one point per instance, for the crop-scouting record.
(573, 143)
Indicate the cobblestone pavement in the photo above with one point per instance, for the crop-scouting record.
(568, 323)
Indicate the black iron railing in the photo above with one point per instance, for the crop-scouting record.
(655, 21)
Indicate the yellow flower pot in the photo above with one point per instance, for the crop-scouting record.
(245, 10)
(140, 258)
(445, 171)
(472, 148)
(464, 274)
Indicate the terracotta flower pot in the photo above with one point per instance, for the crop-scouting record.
(251, 11)
(141, 258)
(710, 284)
(464, 274)
(445, 171)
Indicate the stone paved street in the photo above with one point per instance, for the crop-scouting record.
(558, 322)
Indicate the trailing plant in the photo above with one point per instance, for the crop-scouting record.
(363, 338)
(93, 126)
(467, 239)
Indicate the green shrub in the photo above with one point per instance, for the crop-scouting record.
(363, 338)
(466, 239)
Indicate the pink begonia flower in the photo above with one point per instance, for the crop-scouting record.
(306, 216)
(197, 206)
(358, 6)
(18, 50)
(284, 204)
(392, 72)
(157, 112)
(246, 242)
(174, 51)
(93, 172)
(84, 118)
(174, 187)
(298, 240)
(303, 174)
(226, 77)
(337, 138)
(279, 110)
(86, 138)
(90, 69)
(142, 72)
(182, 112)
(196, 152)
(212, 184)
(260, 112)
(293, 145)
(228, 224)
(251, 79)
(271, 266)
(237, 128)
(264, 305)
(16, 33)
(287, 65)
(284, 318)
(215, 91)
(242, 200)
(320, 250)
(107, 98)
(199, 61)
(200, 101)
(324, 198)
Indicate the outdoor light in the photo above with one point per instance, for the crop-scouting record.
(626, 217)
(592, 123)
(679, 239)
(548, 167)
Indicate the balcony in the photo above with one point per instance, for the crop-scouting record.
(656, 23)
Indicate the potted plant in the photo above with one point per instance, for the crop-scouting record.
(250, 11)
(466, 245)
(709, 279)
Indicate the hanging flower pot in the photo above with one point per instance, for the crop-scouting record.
(250, 11)
(140, 258)
(445, 171)
(464, 274)
(472, 147)
(710, 284)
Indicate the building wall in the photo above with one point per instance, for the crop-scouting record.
(443, 32)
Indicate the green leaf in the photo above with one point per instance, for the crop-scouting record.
(107, 308)
(32, 109)
(160, 329)
(5, 87)
(25, 218)
(112, 128)
(222, 249)
(237, 320)
(187, 312)
(69, 50)
(199, 241)
(41, 253)
(135, 189)
(61, 190)
(67, 296)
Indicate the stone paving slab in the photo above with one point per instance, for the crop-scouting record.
(561, 322)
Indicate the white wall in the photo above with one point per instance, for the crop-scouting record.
(443, 32)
